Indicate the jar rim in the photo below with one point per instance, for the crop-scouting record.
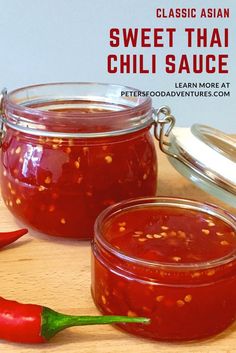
(207, 208)
(19, 114)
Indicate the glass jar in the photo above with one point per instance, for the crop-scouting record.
(171, 260)
(69, 150)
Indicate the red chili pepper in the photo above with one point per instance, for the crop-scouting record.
(30, 323)
(7, 238)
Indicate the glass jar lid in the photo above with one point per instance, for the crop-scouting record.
(203, 154)
(207, 157)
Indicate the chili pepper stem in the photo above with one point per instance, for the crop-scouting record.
(54, 322)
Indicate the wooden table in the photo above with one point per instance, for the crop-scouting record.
(56, 273)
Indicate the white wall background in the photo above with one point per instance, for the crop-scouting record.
(68, 40)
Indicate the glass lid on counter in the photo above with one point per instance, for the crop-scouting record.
(203, 154)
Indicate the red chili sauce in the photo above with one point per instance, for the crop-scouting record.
(59, 186)
(188, 292)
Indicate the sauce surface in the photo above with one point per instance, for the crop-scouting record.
(170, 235)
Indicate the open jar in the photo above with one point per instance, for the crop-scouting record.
(69, 150)
(171, 260)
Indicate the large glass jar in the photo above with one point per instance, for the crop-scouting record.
(171, 260)
(69, 150)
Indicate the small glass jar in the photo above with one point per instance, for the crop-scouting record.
(69, 150)
(171, 260)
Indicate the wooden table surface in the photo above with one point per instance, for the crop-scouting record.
(56, 273)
